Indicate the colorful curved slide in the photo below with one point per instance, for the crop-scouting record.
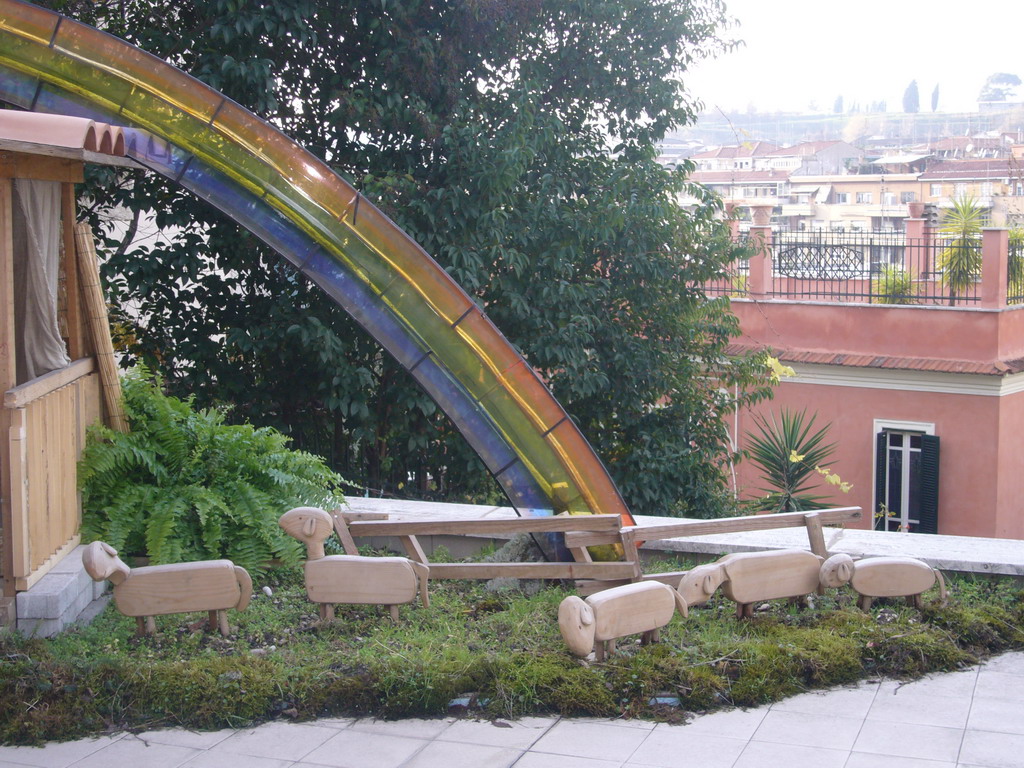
(200, 139)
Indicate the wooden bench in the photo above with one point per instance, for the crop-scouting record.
(350, 526)
(579, 541)
(581, 532)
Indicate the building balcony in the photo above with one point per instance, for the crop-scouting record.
(905, 279)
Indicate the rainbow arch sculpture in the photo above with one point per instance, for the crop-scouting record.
(224, 154)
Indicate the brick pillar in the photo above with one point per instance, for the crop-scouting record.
(759, 282)
(995, 252)
(915, 229)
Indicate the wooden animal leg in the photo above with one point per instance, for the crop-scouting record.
(213, 620)
(222, 620)
(326, 611)
(140, 626)
(600, 650)
(150, 625)
(610, 646)
(740, 610)
(916, 601)
(864, 603)
(394, 612)
(650, 636)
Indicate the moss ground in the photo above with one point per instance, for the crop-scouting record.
(501, 654)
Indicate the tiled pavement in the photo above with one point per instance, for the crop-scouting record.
(968, 719)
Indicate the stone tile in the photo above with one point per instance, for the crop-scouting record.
(360, 749)
(1000, 715)
(947, 684)
(731, 723)
(337, 723)
(134, 752)
(519, 734)
(666, 748)
(618, 722)
(228, 760)
(544, 760)
(282, 741)
(998, 685)
(829, 731)
(57, 754)
(591, 740)
(926, 742)
(180, 737)
(992, 750)
(1011, 663)
(414, 728)
(866, 760)
(762, 754)
(852, 701)
(446, 754)
(904, 706)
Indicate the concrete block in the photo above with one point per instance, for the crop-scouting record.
(50, 596)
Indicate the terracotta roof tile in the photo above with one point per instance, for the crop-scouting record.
(76, 133)
(993, 368)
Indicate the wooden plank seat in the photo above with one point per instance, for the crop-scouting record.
(350, 526)
(578, 541)
(581, 532)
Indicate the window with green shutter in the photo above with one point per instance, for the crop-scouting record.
(906, 481)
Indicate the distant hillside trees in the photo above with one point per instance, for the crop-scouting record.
(911, 98)
(1000, 86)
(935, 98)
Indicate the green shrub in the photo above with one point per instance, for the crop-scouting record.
(184, 485)
(894, 285)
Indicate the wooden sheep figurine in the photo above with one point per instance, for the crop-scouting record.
(698, 584)
(331, 579)
(751, 577)
(156, 590)
(883, 577)
(594, 624)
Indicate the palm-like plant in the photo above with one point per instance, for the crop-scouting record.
(788, 452)
(960, 259)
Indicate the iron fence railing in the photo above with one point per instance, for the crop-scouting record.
(1015, 270)
(869, 267)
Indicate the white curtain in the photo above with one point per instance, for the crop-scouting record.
(37, 236)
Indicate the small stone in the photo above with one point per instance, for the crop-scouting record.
(258, 652)
(268, 592)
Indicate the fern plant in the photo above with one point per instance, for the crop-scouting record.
(184, 485)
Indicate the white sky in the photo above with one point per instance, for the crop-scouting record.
(803, 51)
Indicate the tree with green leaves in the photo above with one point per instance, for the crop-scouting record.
(516, 144)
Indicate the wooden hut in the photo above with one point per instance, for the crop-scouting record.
(50, 353)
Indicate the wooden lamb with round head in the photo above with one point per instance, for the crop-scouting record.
(698, 584)
(751, 577)
(156, 590)
(390, 581)
(594, 624)
(883, 577)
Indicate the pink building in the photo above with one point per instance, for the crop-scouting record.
(926, 400)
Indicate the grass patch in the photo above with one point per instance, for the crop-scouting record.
(501, 654)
